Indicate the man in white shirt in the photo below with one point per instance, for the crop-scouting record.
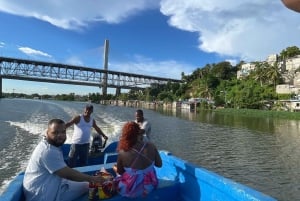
(81, 137)
(144, 124)
(47, 176)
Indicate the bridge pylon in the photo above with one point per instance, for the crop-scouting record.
(118, 91)
(105, 66)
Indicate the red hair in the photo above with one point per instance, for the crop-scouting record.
(129, 137)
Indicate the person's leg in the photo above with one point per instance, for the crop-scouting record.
(73, 154)
(84, 154)
(71, 190)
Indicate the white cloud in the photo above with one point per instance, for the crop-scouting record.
(2, 44)
(249, 29)
(75, 14)
(75, 61)
(32, 52)
(146, 66)
(232, 61)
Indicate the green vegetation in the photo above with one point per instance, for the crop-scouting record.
(219, 83)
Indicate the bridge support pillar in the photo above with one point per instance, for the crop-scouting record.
(0, 87)
(118, 91)
(104, 84)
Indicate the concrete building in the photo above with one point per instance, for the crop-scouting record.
(288, 69)
(293, 63)
(245, 70)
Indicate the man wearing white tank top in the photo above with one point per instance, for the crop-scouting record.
(81, 136)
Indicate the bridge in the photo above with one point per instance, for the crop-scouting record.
(30, 70)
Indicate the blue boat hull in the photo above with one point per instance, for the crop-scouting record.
(179, 181)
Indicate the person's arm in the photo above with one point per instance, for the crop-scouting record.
(74, 175)
(142, 128)
(99, 131)
(145, 127)
(120, 167)
(158, 161)
(74, 120)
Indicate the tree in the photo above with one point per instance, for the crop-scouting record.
(222, 70)
(166, 96)
(205, 90)
(260, 72)
(289, 52)
(273, 74)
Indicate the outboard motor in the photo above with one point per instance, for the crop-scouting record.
(96, 145)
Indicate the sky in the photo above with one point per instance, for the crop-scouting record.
(151, 37)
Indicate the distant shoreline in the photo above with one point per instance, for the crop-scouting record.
(260, 113)
(228, 111)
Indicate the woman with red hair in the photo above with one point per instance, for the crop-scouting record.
(135, 163)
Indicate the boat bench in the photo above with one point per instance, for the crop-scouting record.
(108, 154)
(166, 191)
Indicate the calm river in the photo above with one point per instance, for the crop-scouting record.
(261, 153)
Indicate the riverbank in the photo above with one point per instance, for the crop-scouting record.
(227, 111)
(260, 113)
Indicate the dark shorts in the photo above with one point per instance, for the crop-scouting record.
(80, 152)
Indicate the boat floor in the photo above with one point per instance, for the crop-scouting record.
(167, 190)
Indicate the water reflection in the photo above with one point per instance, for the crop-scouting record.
(260, 152)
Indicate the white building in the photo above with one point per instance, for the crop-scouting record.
(272, 59)
(287, 69)
(245, 70)
(286, 89)
(293, 63)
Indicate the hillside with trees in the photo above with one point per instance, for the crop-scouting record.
(218, 83)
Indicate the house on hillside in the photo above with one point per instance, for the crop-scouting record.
(287, 89)
(288, 69)
(245, 70)
(292, 105)
(292, 64)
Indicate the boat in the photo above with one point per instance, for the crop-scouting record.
(179, 180)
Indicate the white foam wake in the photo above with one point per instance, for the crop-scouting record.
(33, 128)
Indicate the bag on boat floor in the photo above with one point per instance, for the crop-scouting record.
(108, 188)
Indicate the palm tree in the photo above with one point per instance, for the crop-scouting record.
(204, 90)
(260, 72)
(273, 73)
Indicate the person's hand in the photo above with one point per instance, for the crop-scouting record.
(98, 179)
(115, 168)
(105, 137)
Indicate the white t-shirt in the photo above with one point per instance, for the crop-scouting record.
(147, 127)
(40, 184)
(82, 131)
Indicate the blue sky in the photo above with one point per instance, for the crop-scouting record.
(151, 37)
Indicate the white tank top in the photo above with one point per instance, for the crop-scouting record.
(82, 131)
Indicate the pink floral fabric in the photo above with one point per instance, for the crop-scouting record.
(137, 183)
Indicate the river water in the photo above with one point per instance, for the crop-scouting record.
(259, 152)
